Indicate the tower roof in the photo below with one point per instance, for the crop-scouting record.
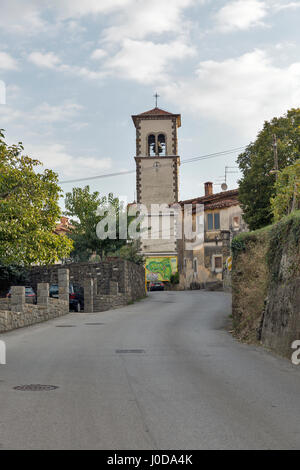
(157, 112)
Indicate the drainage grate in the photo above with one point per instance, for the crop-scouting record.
(130, 351)
(94, 324)
(65, 326)
(35, 388)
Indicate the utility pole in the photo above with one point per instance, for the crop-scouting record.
(275, 156)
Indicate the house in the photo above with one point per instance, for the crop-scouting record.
(63, 227)
(221, 218)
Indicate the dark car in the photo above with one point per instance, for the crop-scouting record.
(30, 295)
(156, 286)
(76, 296)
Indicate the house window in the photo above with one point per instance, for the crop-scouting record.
(213, 221)
(217, 220)
(195, 263)
(236, 222)
(217, 263)
(184, 264)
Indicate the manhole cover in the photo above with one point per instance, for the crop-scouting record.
(65, 326)
(95, 324)
(130, 351)
(35, 388)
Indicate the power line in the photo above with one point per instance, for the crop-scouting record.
(127, 172)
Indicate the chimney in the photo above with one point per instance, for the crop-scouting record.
(208, 187)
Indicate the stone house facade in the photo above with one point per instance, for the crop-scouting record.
(204, 264)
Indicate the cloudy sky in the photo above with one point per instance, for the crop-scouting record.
(75, 71)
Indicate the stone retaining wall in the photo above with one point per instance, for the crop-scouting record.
(16, 313)
(10, 320)
(107, 285)
(266, 285)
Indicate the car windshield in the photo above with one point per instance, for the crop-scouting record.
(29, 290)
(53, 289)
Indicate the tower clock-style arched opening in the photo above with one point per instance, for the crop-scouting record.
(157, 145)
(151, 145)
(161, 145)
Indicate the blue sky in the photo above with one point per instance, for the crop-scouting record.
(75, 71)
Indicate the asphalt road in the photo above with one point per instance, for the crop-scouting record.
(192, 386)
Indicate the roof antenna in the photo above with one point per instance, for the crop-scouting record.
(156, 96)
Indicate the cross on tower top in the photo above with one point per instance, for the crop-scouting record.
(156, 96)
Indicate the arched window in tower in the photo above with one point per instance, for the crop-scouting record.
(151, 145)
(161, 145)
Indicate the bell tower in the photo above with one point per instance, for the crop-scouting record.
(157, 160)
(157, 183)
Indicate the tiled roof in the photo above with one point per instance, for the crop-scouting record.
(222, 204)
(216, 201)
(156, 112)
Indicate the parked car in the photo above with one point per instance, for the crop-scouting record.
(30, 295)
(156, 286)
(76, 296)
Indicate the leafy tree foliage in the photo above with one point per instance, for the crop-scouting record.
(287, 197)
(130, 252)
(84, 209)
(29, 210)
(257, 185)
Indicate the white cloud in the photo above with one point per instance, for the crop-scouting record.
(52, 61)
(7, 62)
(26, 17)
(241, 15)
(240, 92)
(57, 157)
(41, 114)
(98, 54)
(47, 60)
(51, 114)
(146, 61)
(141, 19)
(78, 8)
(21, 17)
(282, 5)
(141, 61)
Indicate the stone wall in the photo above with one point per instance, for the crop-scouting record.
(281, 317)
(16, 313)
(266, 285)
(100, 295)
(109, 284)
(10, 320)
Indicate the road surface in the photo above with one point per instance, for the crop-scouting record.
(160, 374)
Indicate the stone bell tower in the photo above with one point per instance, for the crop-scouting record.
(157, 175)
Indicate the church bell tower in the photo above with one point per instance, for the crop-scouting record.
(157, 160)
(157, 176)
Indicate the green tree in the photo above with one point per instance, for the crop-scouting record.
(130, 252)
(287, 197)
(29, 210)
(257, 186)
(83, 207)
